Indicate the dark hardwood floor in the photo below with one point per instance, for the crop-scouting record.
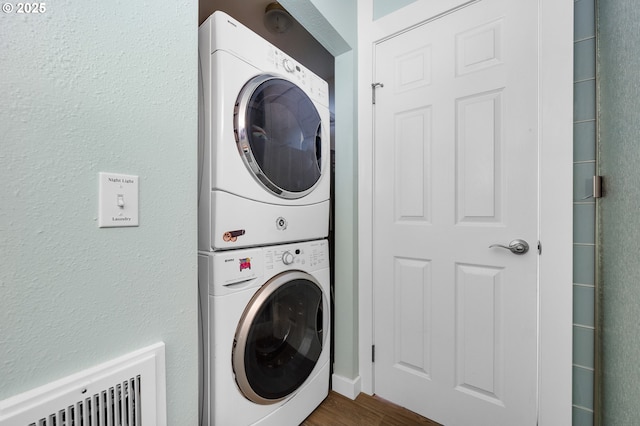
(365, 410)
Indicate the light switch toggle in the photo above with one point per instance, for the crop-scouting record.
(113, 210)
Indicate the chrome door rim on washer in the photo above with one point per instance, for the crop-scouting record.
(313, 339)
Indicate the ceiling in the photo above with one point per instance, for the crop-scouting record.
(296, 42)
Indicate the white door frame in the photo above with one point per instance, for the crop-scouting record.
(555, 192)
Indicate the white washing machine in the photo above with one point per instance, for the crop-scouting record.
(264, 148)
(265, 333)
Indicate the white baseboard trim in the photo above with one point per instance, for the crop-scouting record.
(347, 387)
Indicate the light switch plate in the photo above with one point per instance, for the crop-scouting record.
(118, 200)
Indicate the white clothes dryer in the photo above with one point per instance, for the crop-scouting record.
(265, 327)
(264, 148)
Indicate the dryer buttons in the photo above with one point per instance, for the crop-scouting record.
(281, 223)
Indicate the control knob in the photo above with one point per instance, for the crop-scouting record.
(287, 258)
(288, 65)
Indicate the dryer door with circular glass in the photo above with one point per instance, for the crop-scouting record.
(279, 135)
(279, 338)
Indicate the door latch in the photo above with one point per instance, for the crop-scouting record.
(374, 86)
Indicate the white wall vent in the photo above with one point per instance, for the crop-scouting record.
(127, 391)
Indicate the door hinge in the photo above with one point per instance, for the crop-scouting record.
(596, 188)
(373, 91)
(373, 353)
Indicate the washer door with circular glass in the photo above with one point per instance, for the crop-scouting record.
(279, 338)
(278, 132)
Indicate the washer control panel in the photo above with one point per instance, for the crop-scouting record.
(307, 256)
(287, 258)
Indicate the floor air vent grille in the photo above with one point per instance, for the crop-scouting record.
(117, 406)
(128, 391)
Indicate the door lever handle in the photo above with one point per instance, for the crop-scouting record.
(515, 246)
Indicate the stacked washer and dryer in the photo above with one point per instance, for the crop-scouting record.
(263, 212)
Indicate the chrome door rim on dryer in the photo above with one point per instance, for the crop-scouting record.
(307, 140)
(237, 204)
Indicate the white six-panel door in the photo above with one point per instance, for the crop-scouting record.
(455, 171)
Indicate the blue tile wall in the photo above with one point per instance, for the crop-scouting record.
(582, 417)
(584, 166)
(584, 133)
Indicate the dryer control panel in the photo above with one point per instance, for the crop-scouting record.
(316, 88)
(221, 32)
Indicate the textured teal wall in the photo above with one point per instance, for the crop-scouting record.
(89, 87)
(584, 154)
(619, 106)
